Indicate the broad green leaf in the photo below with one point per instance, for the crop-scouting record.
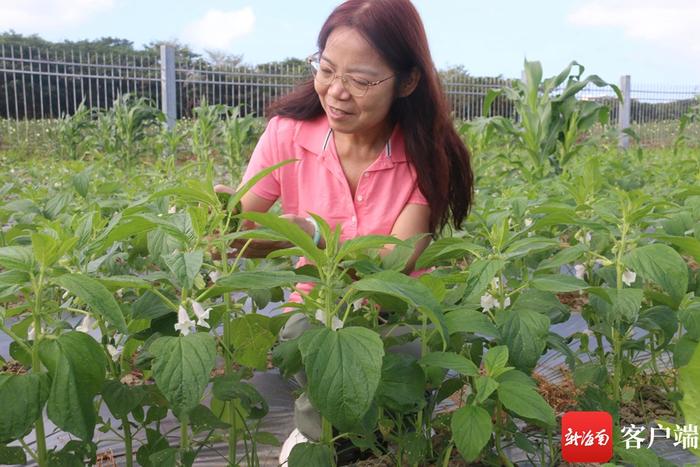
(12, 455)
(529, 245)
(450, 361)
(448, 248)
(185, 266)
(364, 243)
(120, 398)
(402, 385)
(662, 265)
(484, 387)
(290, 231)
(202, 419)
(558, 283)
(525, 334)
(149, 306)
(252, 340)
(689, 245)
(18, 258)
(481, 273)
(689, 381)
(542, 302)
(77, 366)
(495, 360)
(43, 246)
(310, 455)
(181, 369)
(623, 302)
(471, 430)
(409, 290)
(81, 182)
(247, 280)
(22, 398)
(525, 402)
(124, 282)
(193, 191)
(470, 321)
(230, 387)
(565, 256)
(119, 229)
(690, 317)
(343, 368)
(96, 296)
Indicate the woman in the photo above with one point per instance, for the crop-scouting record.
(377, 150)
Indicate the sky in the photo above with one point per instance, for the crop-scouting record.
(654, 41)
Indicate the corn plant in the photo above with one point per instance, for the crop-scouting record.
(74, 132)
(550, 121)
(238, 136)
(206, 131)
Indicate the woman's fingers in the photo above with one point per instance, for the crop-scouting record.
(224, 189)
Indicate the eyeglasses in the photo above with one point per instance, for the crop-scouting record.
(357, 87)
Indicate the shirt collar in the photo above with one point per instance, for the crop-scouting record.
(315, 136)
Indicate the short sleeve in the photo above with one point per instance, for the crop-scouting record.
(417, 197)
(265, 155)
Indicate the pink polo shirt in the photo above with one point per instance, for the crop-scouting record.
(316, 183)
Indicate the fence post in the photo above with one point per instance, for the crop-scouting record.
(625, 110)
(167, 84)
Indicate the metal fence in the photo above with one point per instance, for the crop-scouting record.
(43, 84)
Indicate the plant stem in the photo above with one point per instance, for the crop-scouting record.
(127, 442)
(497, 437)
(184, 434)
(36, 366)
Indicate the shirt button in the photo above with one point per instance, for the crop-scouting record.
(354, 219)
(366, 175)
(359, 198)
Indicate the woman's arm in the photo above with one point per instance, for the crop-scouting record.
(413, 220)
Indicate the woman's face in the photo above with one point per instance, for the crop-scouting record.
(347, 52)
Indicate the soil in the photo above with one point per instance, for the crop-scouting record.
(574, 300)
(14, 368)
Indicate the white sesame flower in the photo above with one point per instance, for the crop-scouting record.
(201, 314)
(580, 271)
(488, 302)
(120, 293)
(336, 323)
(85, 325)
(214, 276)
(30, 333)
(495, 282)
(628, 277)
(528, 222)
(113, 352)
(172, 210)
(588, 237)
(357, 304)
(506, 302)
(184, 323)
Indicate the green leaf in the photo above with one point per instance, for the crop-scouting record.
(149, 306)
(662, 265)
(525, 334)
(185, 266)
(77, 366)
(450, 361)
(542, 302)
(289, 231)
(525, 402)
(471, 430)
(623, 302)
(343, 368)
(528, 245)
(689, 381)
(484, 386)
(690, 317)
(481, 272)
(22, 398)
(558, 283)
(230, 387)
(251, 340)
(495, 360)
(402, 384)
(81, 182)
(409, 290)
(124, 282)
(689, 245)
(565, 256)
(181, 369)
(202, 419)
(470, 321)
(448, 248)
(310, 455)
(248, 280)
(19, 258)
(96, 296)
(12, 455)
(120, 398)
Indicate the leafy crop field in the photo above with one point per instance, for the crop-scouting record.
(112, 295)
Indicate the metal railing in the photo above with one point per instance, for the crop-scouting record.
(44, 84)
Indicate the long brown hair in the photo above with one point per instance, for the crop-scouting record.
(441, 160)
